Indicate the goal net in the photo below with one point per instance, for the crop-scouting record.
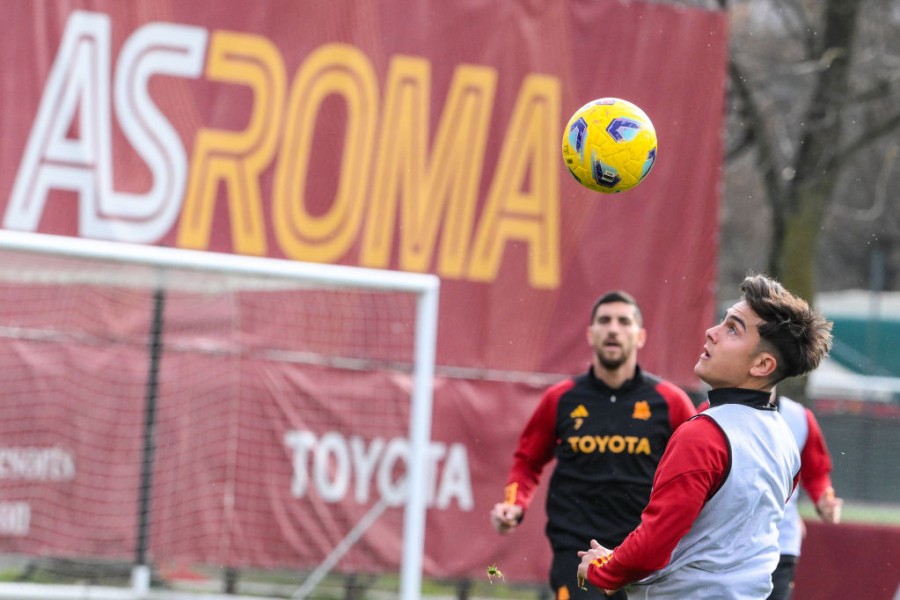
(162, 408)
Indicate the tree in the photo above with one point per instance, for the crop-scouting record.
(813, 106)
(799, 179)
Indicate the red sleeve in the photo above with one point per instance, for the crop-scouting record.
(815, 462)
(536, 448)
(692, 469)
(680, 406)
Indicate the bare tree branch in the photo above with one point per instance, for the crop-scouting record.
(740, 146)
(867, 138)
(756, 129)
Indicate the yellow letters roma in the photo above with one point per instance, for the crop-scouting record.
(400, 178)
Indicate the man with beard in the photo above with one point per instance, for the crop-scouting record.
(607, 429)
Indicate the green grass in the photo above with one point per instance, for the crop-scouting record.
(365, 587)
(860, 512)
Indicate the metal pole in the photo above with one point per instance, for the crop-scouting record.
(141, 572)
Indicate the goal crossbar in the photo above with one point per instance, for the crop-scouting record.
(424, 286)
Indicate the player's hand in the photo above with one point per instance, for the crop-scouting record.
(829, 507)
(587, 557)
(505, 517)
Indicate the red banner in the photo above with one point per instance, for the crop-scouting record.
(398, 135)
(870, 571)
(403, 135)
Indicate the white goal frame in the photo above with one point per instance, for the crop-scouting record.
(426, 287)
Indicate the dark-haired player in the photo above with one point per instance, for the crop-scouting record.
(710, 528)
(607, 429)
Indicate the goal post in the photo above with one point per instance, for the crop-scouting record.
(161, 266)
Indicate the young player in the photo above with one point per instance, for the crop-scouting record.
(607, 429)
(815, 478)
(709, 530)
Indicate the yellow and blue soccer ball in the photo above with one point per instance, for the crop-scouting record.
(609, 145)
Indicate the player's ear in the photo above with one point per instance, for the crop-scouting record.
(763, 365)
(641, 338)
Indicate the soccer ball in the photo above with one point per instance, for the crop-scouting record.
(609, 145)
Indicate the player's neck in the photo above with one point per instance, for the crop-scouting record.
(615, 378)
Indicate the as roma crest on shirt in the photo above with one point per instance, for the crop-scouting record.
(641, 410)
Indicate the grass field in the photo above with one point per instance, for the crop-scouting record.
(860, 512)
(271, 584)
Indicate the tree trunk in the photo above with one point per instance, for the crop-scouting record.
(795, 264)
(814, 182)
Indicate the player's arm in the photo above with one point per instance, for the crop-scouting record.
(815, 472)
(534, 450)
(692, 469)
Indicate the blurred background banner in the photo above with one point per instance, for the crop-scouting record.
(407, 135)
(419, 136)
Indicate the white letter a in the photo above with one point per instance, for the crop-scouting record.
(79, 78)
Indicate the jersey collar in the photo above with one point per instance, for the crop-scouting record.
(751, 398)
